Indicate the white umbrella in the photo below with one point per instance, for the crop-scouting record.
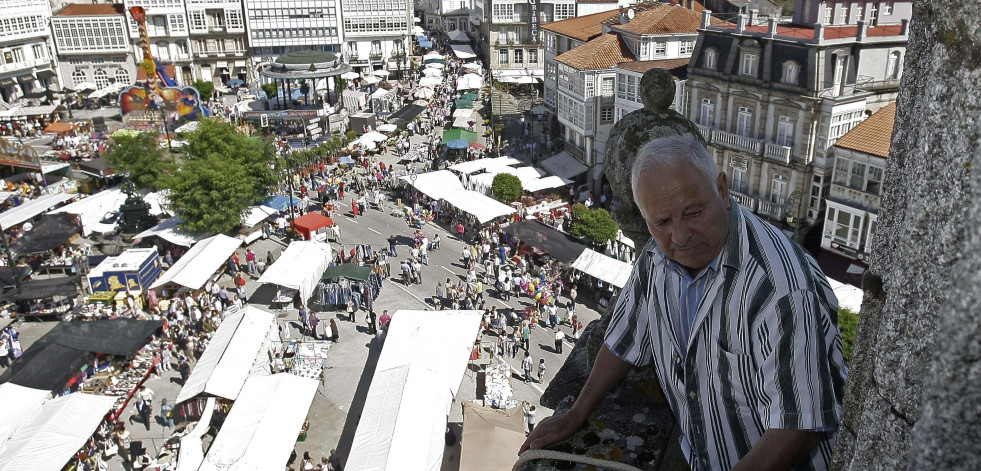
(350, 75)
(469, 81)
(387, 127)
(417, 30)
(432, 55)
(189, 127)
(425, 93)
(430, 81)
(434, 65)
(380, 73)
(86, 86)
(416, 19)
(373, 136)
(471, 66)
(432, 72)
(372, 79)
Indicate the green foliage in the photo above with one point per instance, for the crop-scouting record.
(270, 89)
(506, 187)
(594, 224)
(848, 324)
(205, 88)
(139, 154)
(222, 174)
(305, 90)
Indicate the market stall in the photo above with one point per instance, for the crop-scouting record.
(415, 381)
(299, 268)
(605, 268)
(168, 231)
(132, 271)
(347, 281)
(383, 100)
(559, 245)
(200, 263)
(21, 406)
(50, 233)
(262, 427)
(191, 453)
(47, 296)
(238, 349)
(488, 164)
(313, 226)
(93, 209)
(49, 441)
(30, 208)
(491, 437)
(444, 185)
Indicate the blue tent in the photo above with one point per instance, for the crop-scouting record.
(280, 203)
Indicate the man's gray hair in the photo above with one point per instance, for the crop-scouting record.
(672, 151)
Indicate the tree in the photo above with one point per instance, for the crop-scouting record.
(223, 173)
(305, 90)
(270, 89)
(506, 187)
(205, 88)
(848, 324)
(139, 154)
(594, 224)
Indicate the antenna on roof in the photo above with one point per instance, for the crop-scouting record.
(631, 13)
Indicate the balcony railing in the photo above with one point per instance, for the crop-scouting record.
(745, 200)
(352, 55)
(776, 152)
(771, 210)
(736, 141)
(375, 55)
(577, 152)
(706, 132)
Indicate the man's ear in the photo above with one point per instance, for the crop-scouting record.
(722, 184)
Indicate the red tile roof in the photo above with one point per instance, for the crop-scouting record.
(830, 32)
(582, 28)
(661, 19)
(872, 136)
(603, 52)
(88, 9)
(677, 67)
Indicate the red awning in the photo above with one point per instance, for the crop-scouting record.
(477, 145)
(59, 127)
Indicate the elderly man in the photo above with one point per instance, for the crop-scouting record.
(738, 319)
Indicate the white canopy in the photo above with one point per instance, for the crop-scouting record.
(608, 269)
(31, 208)
(545, 183)
(849, 297)
(564, 165)
(491, 437)
(418, 373)
(261, 429)
(372, 79)
(457, 35)
(380, 73)
(91, 210)
(417, 30)
(21, 405)
(373, 136)
(462, 50)
(382, 93)
(471, 66)
(432, 55)
(387, 127)
(425, 92)
(464, 121)
(158, 202)
(431, 72)
(233, 350)
(201, 262)
(350, 75)
(435, 65)
(444, 185)
(469, 81)
(192, 448)
(168, 230)
(256, 214)
(299, 267)
(430, 82)
(484, 164)
(57, 432)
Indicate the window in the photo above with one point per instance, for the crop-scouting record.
(709, 61)
(40, 52)
(778, 187)
(197, 19)
(519, 56)
(842, 167)
(886, 7)
(843, 227)
(687, 47)
(828, 15)
(842, 123)
(707, 116)
(892, 67)
(660, 49)
(550, 70)
(737, 181)
(163, 50)
(749, 63)
(122, 76)
(503, 56)
(101, 78)
(532, 56)
(234, 19)
(744, 122)
(177, 23)
(645, 49)
(844, 14)
(873, 181)
(790, 71)
(589, 86)
(78, 76)
(857, 179)
(564, 11)
(858, 12)
(606, 115)
(606, 86)
(503, 12)
(549, 42)
(626, 87)
(785, 131)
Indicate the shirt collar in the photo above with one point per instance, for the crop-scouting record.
(732, 252)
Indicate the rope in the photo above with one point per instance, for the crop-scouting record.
(558, 455)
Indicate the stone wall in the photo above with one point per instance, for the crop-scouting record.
(913, 400)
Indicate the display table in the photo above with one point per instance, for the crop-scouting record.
(497, 386)
(284, 297)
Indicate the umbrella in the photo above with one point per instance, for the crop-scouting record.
(469, 96)
(477, 145)
(387, 127)
(471, 66)
(425, 93)
(457, 144)
(235, 83)
(346, 160)
(432, 72)
(380, 73)
(416, 19)
(430, 81)
(374, 136)
(86, 87)
(432, 55)
(372, 79)
(435, 65)
(418, 30)
(350, 75)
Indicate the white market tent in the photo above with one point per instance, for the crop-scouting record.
(432, 55)
(444, 185)
(491, 437)
(462, 50)
(463, 112)
(600, 266)
(471, 66)
(31, 208)
(91, 210)
(158, 202)
(261, 429)
(28, 403)
(256, 214)
(431, 72)
(192, 448)
(457, 35)
(196, 267)
(464, 121)
(531, 178)
(430, 82)
(234, 353)
(168, 230)
(484, 164)
(849, 297)
(61, 427)
(545, 183)
(299, 267)
(469, 81)
(417, 376)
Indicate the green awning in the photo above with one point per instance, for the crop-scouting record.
(454, 134)
(347, 270)
(469, 96)
(438, 61)
(464, 104)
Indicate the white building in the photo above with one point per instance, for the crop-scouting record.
(26, 55)
(167, 29)
(217, 29)
(856, 185)
(447, 15)
(93, 45)
(376, 33)
(277, 27)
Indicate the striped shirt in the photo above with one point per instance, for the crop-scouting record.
(764, 350)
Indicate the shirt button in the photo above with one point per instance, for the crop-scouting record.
(691, 395)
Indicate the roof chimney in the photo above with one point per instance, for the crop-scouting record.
(905, 30)
(741, 22)
(818, 32)
(772, 30)
(624, 19)
(706, 18)
(753, 13)
(862, 30)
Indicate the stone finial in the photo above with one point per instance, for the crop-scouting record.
(654, 120)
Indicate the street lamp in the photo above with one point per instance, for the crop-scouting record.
(285, 151)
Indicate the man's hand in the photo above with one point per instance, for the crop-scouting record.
(552, 430)
(779, 449)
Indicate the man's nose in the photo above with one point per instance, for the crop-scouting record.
(680, 234)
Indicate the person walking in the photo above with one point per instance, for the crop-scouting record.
(541, 371)
(527, 364)
(525, 335)
(144, 404)
(350, 310)
(392, 241)
(384, 320)
(406, 272)
(559, 338)
(303, 320)
(167, 413)
(530, 418)
(250, 261)
(417, 271)
(313, 321)
(370, 320)
(334, 337)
